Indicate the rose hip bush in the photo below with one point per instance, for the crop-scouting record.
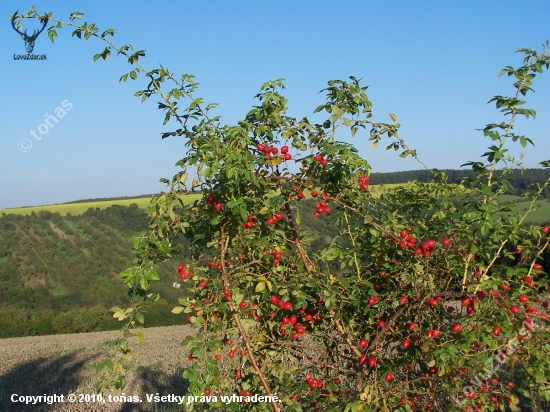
(438, 301)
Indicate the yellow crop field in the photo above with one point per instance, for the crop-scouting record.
(79, 208)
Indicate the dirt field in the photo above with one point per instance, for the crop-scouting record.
(65, 364)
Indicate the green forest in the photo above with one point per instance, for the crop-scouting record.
(59, 274)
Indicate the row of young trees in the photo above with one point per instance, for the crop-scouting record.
(54, 267)
(431, 296)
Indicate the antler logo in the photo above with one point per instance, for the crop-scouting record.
(29, 40)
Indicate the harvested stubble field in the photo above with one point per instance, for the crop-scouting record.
(65, 364)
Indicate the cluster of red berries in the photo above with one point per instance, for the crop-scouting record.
(276, 257)
(364, 182)
(249, 224)
(280, 303)
(273, 219)
(319, 158)
(268, 150)
(299, 193)
(425, 249)
(314, 383)
(211, 200)
(373, 300)
(227, 294)
(299, 329)
(292, 320)
(433, 333)
(218, 266)
(406, 240)
(321, 208)
(183, 273)
(470, 305)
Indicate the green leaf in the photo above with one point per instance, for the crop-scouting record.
(393, 117)
(298, 217)
(487, 190)
(120, 315)
(139, 317)
(177, 310)
(144, 283)
(319, 108)
(260, 287)
(123, 345)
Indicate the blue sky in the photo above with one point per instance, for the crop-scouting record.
(433, 63)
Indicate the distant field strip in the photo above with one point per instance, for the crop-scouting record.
(540, 215)
(79, 208)
(142, 203)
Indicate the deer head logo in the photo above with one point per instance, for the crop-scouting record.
(29, 40)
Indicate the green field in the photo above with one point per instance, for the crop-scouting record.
(540, 213)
